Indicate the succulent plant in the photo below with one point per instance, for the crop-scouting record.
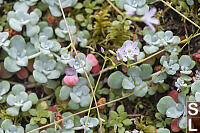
(3, 39)
(133, 6)
(62, 32)
(168, 106)
(92, 122)
(54, 6)
(77, 65)
(65, 56)
(186, 64)
(4, 88)
(7, 126)
(17, 54)
(171, 65)
(18, 98)
(45, 68)
(159, 39)
(20, 17)
(79, 96)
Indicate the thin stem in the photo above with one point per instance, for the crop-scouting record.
(93, 97)
(35, 55)
(120, 12)
(169, 5)
(73, 47)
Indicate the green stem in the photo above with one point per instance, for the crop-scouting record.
(169, 5)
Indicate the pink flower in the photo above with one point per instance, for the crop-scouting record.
(92, 59)
(71, 77)
(71, 80)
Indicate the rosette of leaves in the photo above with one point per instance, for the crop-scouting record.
(65, 56)
(159, 39)
(135, 79)
(171, 65)
(7, 126)
(45, 68)
(195, 89)
(91, 123)
(48, 47)
(134, 6)
(20, 17)
(62, 32)
(80, 97)
(77, 65)
(19, 99)
(186, 64)
(167, 106)
(17, 54)
(68, 124)
(54, 6)
(119, 118)
(4, 88)
(40, 114)
(3, 39)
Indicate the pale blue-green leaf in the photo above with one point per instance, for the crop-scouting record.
(85, 100)
(59, 33)
(185, 61)
(33, 98)
(197, 96)
(53, 74)
(26, 106)
(32, 30)
(165, 103)
(150, 49)
(39, 77)
(195, 86)
(75, 98)
(11, 65)
(11, 99)
(73, 105)
(55, 11)
(172, 112)
(15, 24)
(115, 80)
(127, 84)
(64, 92)
(6, 124)
(4, 87)
(17, 89)
(163, 130)
(12, 111)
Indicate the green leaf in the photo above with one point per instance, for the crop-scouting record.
(163, 130)
(43, 120)
(11, 65)
(195, 87)
(113, 115)
(33, 98)
(165, 103)
(4, 87)
(39, 77)
(127, 122)
(64, 92)
(12, 111)
(26, 106)
(121, 130)
(120, 109)
(115, 80)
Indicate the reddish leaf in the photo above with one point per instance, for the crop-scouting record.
(174, 95)
(23, 73)
(52, 109)
(96, 69)
(174, 125)
(91, 58)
